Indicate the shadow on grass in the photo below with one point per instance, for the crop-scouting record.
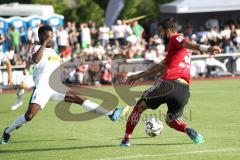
(145, 137)
(81, 147)
(162, 144)
(45, 140)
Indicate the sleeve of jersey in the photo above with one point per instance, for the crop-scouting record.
(178, 41)
(33, 51)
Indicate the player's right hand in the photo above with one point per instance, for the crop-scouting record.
(132, 79)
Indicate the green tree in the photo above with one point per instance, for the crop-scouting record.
(134, 8)
(84, 11)
(58, 5)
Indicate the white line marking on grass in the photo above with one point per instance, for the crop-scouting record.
(170, 154)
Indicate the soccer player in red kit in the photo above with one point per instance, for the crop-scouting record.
(173, 87)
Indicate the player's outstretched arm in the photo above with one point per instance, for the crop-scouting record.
(37, 56)
(203, 48)
(157, 68)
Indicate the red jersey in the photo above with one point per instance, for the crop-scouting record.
(178, 60)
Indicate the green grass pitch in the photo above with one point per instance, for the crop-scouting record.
(213, 109)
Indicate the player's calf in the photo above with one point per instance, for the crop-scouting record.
(181, 126)
(132, 122)
(177, 124)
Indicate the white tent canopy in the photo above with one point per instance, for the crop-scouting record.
(16, 9)
(195, 6)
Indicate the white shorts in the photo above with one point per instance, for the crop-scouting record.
(43, 93)
(28, 81)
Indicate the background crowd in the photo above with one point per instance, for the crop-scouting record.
(99, 43)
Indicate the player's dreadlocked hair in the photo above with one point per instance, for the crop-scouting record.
(43, 28)
(169, 23)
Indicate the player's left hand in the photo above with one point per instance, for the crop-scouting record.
(214, 49)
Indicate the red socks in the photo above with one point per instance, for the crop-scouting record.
(132, 122)
(178, 124)
(134, 117)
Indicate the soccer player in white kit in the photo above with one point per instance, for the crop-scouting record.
(4, 59)
(47, 61)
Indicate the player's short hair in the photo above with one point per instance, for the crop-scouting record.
(169, 23)
(44, 28)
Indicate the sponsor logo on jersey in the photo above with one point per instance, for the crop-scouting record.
(180, 39)
(53, 58)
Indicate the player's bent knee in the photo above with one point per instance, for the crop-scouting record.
(29, 116)
(22, 86)
(75, 97)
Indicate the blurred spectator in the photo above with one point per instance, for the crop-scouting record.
(212, 23)
(213, 35)
(137, 30)
(15, 39)
(2, 40)
(93, 72)
(226, 41)
(154, 29)
(30, 35)
(23, 35)
(119, 30)
(188, 28)
(104, 35)
(106, 77)
(81, 73)
(85, 36)
(76, 50)
(62, 39)
(35, 34)
(94, 32)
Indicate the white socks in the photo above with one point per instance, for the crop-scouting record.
(20, 120)
(90, 106)
(20, 93)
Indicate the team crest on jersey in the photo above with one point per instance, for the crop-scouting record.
(180, 38)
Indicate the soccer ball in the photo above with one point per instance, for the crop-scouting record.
(153, 127)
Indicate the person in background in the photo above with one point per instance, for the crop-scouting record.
(94, 32)
(35, 34)
(137, 30)
(23, 36)
(2, 40)
(62, 39)
(4, 60)
(29, 34)
(104, 35)
(81, 73)
(85, 36)
(106, 77)
(212, 23)
(15, 39)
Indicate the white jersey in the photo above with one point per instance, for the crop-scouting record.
(46, 66)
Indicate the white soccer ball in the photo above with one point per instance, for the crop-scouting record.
(153, 127)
